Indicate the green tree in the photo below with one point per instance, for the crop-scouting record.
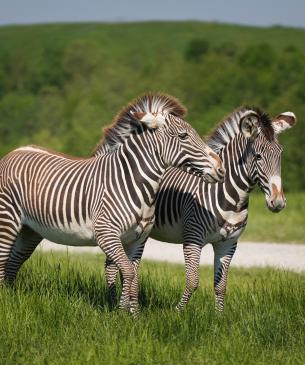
(81, 58)
(18, 118)
(196, 49)
(258, 56)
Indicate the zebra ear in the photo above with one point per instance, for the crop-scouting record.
(249, 125)
(283, 121)
(151, 120)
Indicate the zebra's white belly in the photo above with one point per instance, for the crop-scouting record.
(72, 234)
(75, 234)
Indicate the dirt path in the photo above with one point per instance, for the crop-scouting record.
(248, 254)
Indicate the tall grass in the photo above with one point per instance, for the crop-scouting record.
(58, 314)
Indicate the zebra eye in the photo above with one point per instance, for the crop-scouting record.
(183, 135)
(258, 157)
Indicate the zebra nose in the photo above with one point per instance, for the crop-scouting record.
(277, 204)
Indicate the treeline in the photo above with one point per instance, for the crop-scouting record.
(59, 85)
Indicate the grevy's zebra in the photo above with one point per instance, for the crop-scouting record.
(105, 200)
(195, 213)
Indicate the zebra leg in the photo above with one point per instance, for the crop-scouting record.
(192, 254)
(10, 225)
(111, 271)
(23, 248)
(223, 253)
(135, 255)
(109, 241)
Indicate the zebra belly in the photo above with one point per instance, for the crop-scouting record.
(71, 235)
(168, 233)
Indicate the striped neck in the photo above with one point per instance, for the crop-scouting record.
(140, 163)
(237, 185)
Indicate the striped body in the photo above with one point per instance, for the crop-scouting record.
(189, 209)
(60, 198)
(191, 212)
(106, 200)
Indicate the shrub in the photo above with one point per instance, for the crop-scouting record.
(196, 48)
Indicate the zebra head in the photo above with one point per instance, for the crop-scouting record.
(177, 143)
(182, 146)
(265, 153)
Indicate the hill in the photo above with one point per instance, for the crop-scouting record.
(61, 83)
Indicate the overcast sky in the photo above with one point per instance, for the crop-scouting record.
(253, 12)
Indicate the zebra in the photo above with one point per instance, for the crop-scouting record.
(191, 212)
(106, 200)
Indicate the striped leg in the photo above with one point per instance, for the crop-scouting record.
(223, 253)
(109, 241)
(134, 252)
(10, 226)
(192, 254)
(111, 271)
(134, 307)
(23, 248)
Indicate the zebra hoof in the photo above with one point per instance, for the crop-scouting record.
(219, 305)
(124, 307)
(219, 310)
(134, 311)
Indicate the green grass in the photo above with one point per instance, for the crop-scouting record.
(286, 226)
(58, 314)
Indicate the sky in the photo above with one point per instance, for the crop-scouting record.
(248, 12)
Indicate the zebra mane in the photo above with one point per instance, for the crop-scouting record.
(229, 127)
(124, 124)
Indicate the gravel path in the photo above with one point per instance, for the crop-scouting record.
(281, 255)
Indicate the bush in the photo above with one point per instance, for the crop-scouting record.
(259, 56)
(196, 48)
(228, 49)
(81, 58)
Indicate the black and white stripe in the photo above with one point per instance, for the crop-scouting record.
(193, 212)
(106, 200)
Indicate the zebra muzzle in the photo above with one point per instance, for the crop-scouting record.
(277, 201)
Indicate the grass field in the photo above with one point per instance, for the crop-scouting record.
(286, 226)
(58, 314)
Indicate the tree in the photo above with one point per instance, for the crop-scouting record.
(196, 48)
(81, 58)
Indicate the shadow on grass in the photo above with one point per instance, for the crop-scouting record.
(56, 280)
